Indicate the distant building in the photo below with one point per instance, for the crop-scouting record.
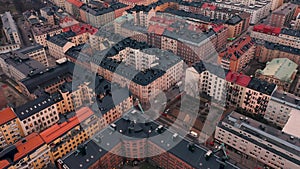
(36, 52)
(30, 152)
(261, 142)
(9, 128)
(18, 66)
(283, 15)
(238, 55)
(280, 71)
(10, 28)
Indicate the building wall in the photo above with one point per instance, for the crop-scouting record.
(9, 133)
(40, 56)
(262, 154)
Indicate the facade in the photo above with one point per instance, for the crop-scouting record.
(270, 51)
(18, 66)
(10, 29)
(265, 144)
(235, 26)
(280, 71)
(48, 14)
(9, 128)
(276, 4)
(283, 15)
(72, 7)
(235, 89)
(9, 48)
(238, 55)
(40, 33)
(58, 45)
(36, 52)
(39, 114)
(30, 152)
(280, 108)
(257, 8)
(68, 133)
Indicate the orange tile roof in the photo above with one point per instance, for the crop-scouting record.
(33, 141)
(6, 115)
(156, 29)
(57, 130)
(76, 3)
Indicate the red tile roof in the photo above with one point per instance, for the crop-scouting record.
(25, 146)
(76, 3)
(210, 6)
(6, 115)
(267, 29)
(238, 78)
(57, 130)
(236, 50)
(80, 29)
(159, 30)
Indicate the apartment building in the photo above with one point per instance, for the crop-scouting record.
(238, 55)
(121, 66)
(64, 136)
(18, 66)
(58, 45)
(95, 16)
(36, 52)
(30, 152)
(10, 29)
(59, 3)
(269, 51)
(110, 152)
(48, 14)
(67, 21)
(39, 114)
(235, 26)
(261, 142)
(72, 7)
(9, 128)
(280, 71)
(276, 4)
(257, 8)
(79, 34)
(48, 81)
(250, 94)
(267, 33)
(283, 15)
(40, 32)
(137, 2)
(280, 108)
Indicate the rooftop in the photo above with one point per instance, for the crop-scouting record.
(267, 29)
(44, 29)
(30, 108)
(6, 115)
(285, 9)
(290, 32)
(58, 130)
(283, 48)
(262, 86)
(60, 39)
(234, 20)
(238, 78)
(264, 132)
(280, 68)
(24, 64)
(8, 22)
(20, 149)
(77, 3)
(235, 51)
(286, 98)
(30, 49)
(135, 126)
